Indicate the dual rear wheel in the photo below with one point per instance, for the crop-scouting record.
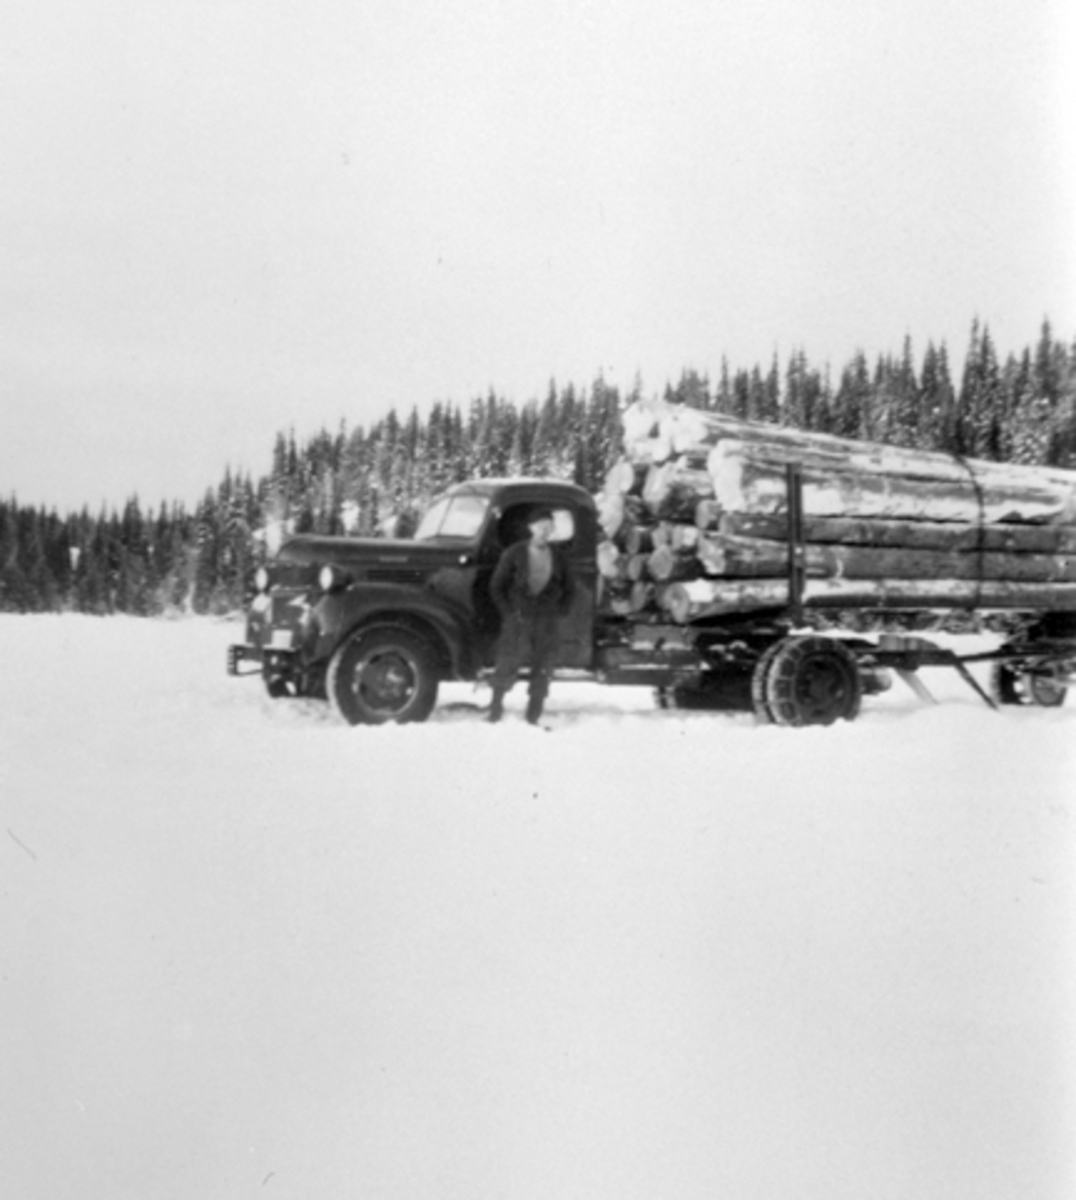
(806, 680)
(797, 681)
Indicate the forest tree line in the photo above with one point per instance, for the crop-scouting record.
(377, 479)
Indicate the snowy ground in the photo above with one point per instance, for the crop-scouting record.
(248, 952)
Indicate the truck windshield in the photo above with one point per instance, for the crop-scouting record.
(453, 517)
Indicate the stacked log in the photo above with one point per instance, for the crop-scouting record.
(696, 522)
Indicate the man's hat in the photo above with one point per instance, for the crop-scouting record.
(540, 512)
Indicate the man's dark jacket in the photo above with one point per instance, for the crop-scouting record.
(512, 596)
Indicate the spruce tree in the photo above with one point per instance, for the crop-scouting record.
(1030, 432)
(852, 400)
(968, 398)
(905, 400)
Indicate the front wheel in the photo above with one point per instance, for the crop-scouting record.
(382, 675)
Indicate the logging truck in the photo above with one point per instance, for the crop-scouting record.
(709, 597)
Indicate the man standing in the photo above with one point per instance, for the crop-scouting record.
(532, 588)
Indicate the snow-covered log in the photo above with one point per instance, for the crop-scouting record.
(735, 556)
(923, 535)
(704, 520)
(751, 477)
(673, 490)
(699, 598)
(609, 561)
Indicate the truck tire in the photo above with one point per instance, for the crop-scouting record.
(811, 680)
(1044, 688)
(1041, 686)
(759, 700)
(383, 674)
(1006, 684)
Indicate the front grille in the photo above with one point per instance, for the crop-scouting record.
(411, 576)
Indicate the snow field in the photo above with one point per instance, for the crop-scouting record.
(648, 954)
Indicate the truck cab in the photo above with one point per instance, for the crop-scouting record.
(375, 624)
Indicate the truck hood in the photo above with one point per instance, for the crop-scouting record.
(371, 554)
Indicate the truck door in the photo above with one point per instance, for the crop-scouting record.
(574, 534)
(573, 537)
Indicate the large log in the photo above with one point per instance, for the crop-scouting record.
(636, 539)
(610, 561)
(610, 513)
(922, 535)
(661, 563)
(747, 479)
(692, 431)
(734, 556)
(1009, 492)
(636, 567)
(700, 598)
(642, 596)
(624, 477)
(666, 564)
(672, 491)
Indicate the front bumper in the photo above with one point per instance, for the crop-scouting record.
(279, 632)
(265, 661)
(237, 655)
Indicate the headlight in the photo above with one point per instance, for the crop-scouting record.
(329, 577)
(261, 579)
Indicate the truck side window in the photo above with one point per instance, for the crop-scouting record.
(563, 525)
(513, 528)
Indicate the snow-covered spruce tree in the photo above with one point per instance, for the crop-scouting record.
(852, 400)
(936, 427)
(979, 399)
(795, 410)
(544, 455)
(904, 398)
(602, 436)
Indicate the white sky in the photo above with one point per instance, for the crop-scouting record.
(221, 218)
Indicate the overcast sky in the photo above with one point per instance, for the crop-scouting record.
(223, 218)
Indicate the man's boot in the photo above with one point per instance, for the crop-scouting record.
(496, 706)
(535, 701)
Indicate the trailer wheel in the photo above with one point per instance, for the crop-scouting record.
(1007, 684)
(381, 675)
(811, 681)
(1044, 687)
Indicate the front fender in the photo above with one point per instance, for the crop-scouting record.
(337, 614)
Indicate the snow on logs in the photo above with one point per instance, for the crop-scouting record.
(695, 519)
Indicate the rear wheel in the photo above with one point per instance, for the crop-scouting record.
(1046, 687)
(809, 681)
(1006, 684)
(381, 675)
(759, 701)
(1043, 685)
